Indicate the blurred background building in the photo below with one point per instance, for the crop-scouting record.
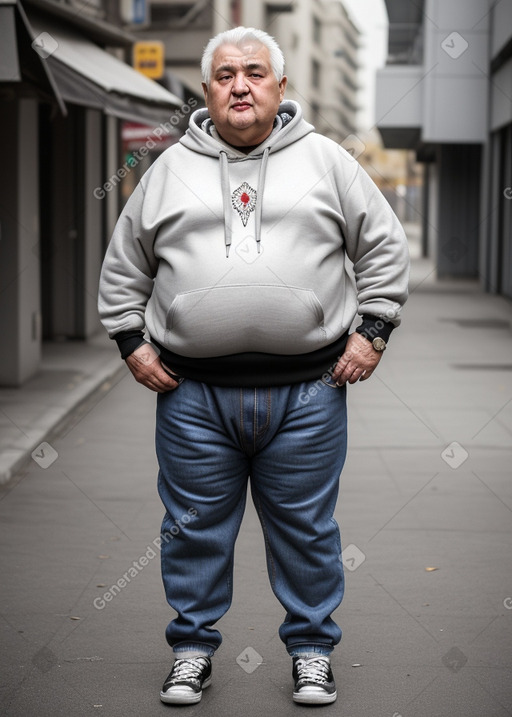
(64, 90)
(446, 94)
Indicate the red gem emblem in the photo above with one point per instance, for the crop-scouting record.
(244, 201)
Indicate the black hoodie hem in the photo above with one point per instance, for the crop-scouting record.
(254, 369)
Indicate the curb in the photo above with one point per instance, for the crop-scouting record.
(13, 460)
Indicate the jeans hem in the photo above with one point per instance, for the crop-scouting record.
(193, 646)
(303, 648)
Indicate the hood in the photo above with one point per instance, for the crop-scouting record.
(289, 126)
(202, 137)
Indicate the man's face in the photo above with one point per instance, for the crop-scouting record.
(244, 95)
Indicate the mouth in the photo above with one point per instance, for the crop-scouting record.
(240, 106)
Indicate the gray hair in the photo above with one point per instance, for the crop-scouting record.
(240, 36)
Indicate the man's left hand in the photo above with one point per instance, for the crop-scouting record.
(358, 362)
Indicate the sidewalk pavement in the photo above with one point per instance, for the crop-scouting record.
(425, 511)
(71, 372)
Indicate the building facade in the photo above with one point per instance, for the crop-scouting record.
(64, 89)
(446, 92)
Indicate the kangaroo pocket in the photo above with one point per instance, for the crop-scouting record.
(221, 320)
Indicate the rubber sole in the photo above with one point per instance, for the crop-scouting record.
(184, 695)
(314, 696)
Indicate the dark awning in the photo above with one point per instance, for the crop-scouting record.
(20, 66)
(86, 75)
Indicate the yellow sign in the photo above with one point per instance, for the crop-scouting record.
(149, 58)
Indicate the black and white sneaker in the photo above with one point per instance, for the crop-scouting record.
(314, 681)
(186, 681)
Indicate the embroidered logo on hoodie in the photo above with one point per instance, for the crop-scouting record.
(244, 201)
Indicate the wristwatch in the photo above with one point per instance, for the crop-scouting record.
(379, 344)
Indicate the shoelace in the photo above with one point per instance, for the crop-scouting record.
(313, 669)
(188, 669)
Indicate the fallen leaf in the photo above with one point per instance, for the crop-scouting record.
(104, 557)
(357, 664)
(75, 618)
(430, 569)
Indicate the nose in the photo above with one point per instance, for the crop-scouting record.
(239, 86)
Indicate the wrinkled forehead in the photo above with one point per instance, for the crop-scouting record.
(252, 53)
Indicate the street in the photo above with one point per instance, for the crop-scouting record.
(425, 512)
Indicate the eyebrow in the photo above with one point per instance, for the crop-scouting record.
(249, 66)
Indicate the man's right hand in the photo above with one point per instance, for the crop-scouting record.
(146, 367)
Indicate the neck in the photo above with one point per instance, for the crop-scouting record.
(249, 145)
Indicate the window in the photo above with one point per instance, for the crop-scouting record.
(315, 73)
(317, 31)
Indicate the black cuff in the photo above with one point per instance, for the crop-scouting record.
(373, 326)
(128, 341)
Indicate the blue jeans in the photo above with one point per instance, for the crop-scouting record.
(291, 442)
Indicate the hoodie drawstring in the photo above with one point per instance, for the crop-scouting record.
(226, 198)
(259, 203)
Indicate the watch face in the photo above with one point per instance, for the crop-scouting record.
(378, 344)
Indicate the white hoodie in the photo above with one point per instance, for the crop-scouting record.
(218, 252)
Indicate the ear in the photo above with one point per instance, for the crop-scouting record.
(205, 92)
(282, 87)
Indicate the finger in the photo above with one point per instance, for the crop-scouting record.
(158, 375)
(155, 380)
(342, 364)
(163, 384)
(158, 387)
(356, 375)
(350, 373)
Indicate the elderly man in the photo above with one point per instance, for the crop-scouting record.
(231, 253)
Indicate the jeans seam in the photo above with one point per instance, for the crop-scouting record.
(255, 421)
(241, 426)
(272, 564)
(265, 426)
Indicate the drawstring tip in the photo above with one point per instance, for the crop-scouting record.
(258, 245)
(227, 250)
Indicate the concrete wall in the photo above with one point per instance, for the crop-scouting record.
(456, 60)
(20, 309)
(93, 225)
(501, 25)
(399, 96)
